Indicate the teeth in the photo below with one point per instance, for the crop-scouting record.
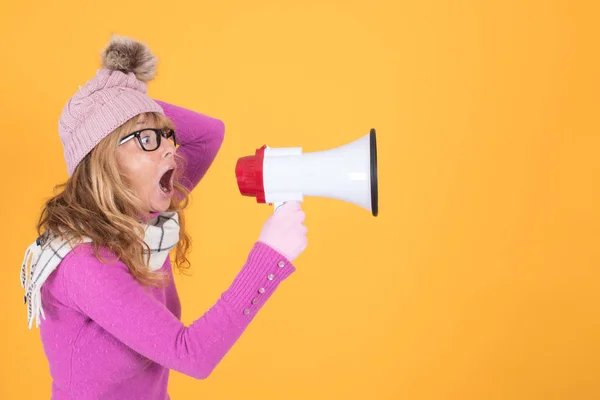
(166, 188)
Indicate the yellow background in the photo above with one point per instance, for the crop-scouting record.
(479, 279)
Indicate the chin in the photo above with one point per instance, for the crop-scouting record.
(160, 207)
(160, 203)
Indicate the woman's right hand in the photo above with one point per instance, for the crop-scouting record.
(285, 232)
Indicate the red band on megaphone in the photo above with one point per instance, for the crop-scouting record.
(249, 174)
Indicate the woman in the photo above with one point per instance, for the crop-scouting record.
(99, 275)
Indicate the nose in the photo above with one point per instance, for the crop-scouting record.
(167, 148)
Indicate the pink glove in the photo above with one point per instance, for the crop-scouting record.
(285, 232)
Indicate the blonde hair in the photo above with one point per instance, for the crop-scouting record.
(96, 202)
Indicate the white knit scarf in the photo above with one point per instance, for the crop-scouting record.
(45, 254)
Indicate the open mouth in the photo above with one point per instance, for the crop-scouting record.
(166, 182)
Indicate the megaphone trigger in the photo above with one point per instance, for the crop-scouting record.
(277, 204)
(277, 175)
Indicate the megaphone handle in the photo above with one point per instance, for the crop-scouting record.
(277, 204)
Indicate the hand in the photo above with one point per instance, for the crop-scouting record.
(285, 232)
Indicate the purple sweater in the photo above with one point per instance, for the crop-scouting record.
(108, 337)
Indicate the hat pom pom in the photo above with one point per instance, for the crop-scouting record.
(129, 55)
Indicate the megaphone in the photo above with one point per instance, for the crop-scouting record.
(277, 175)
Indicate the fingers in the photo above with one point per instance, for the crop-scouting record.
(292, 206)
(297, 215)
(301, 215)
(303, 229)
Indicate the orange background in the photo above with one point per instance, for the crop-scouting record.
(479, 279)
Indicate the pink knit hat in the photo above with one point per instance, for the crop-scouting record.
(117, 93)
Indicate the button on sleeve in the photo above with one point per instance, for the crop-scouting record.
(262, 274)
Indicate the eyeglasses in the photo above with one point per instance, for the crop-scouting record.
(149, 138)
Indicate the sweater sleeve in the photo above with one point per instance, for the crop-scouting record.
(111, 297)
(199, 138)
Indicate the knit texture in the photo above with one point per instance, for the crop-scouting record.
(104, 103)
(108, 337)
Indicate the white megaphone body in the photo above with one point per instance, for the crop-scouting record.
(277, 175)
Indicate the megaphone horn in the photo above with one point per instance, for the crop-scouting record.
(277, 175)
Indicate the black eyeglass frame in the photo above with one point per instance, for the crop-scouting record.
(160, 133)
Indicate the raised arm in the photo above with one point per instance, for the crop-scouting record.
(199, 138)
(110, 296)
